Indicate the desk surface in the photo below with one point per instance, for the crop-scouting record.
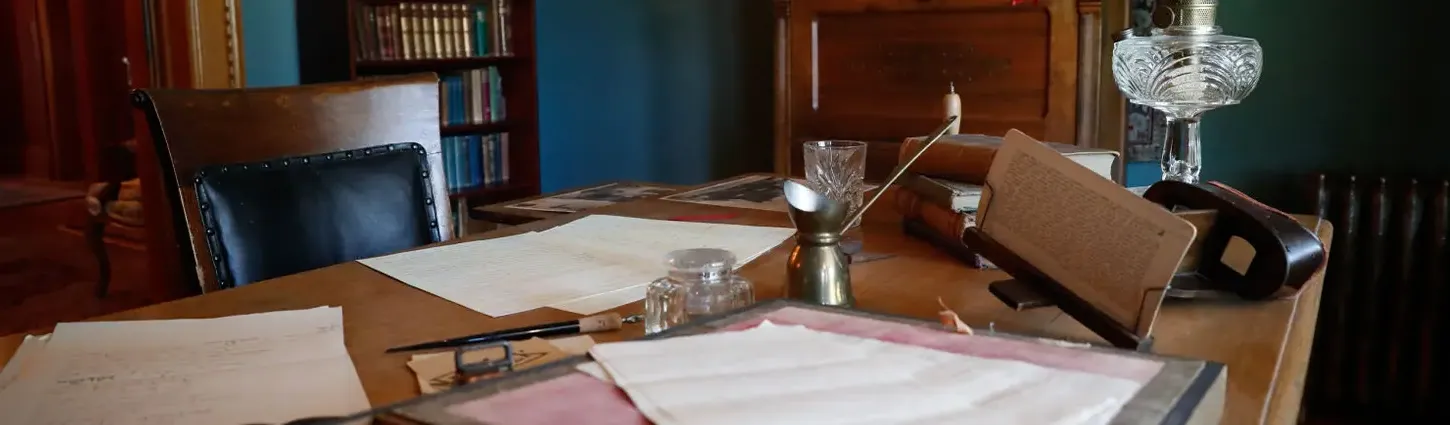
(1265, 345)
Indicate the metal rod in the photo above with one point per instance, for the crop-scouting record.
(900, 170)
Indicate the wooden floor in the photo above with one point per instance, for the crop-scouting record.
(48, 275)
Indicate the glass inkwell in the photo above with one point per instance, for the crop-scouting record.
(701, 281)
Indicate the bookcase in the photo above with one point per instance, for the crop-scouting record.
(483, 53)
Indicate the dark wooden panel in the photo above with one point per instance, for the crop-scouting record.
(876, 71)
(12, 107)
(900, 64)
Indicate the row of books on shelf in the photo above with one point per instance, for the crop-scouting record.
(412, 31)
(475, 160)
(474, 96)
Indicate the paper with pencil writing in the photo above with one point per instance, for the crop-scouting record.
(790, 374)
(256, 368)
(1115, 250)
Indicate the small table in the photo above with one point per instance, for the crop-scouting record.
(570, 201)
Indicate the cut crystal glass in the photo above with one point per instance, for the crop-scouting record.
(1184, 70)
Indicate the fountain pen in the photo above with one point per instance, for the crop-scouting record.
(603, 322)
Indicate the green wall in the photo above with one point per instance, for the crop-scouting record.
(1339, 93)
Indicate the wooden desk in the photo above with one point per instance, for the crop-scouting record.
(1265, 345)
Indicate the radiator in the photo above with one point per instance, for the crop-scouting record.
(1380, 345)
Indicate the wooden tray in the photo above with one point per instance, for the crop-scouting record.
(1175, 391)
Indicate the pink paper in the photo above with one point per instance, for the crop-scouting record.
(570, 399)
(1119, 366)
(579, 398)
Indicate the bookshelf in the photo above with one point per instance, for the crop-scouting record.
(483, 53)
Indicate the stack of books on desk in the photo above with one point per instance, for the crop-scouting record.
(938, 199)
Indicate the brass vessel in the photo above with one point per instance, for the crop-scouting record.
(818, 271)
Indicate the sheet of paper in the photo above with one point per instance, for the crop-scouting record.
(1114, 249)
(794, 375)
(649, 240)
(20, 362)
(586, 266)
(435, 371)
(507, 275)
(190, 371)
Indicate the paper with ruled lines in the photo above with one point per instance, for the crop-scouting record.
(586, 266)
(256, 368)
(790, 374)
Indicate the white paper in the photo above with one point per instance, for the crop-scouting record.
(794, 375)
(507, 275)
(586, 266)
(20, 362)
(257, 368)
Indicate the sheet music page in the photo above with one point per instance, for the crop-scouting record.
(1112, 248)
(257, 368)
(796, 375)
(589, 265)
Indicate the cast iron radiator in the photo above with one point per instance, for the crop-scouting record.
(1380, 347)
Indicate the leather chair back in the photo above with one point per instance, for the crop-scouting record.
(268, 182)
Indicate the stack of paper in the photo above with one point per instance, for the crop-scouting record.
(258, 368)
(795, 375)
(590, 265)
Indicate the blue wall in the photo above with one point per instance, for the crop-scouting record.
(269, 42)
(672, 91)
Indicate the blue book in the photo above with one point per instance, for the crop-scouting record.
(475, 160)
(447, 165)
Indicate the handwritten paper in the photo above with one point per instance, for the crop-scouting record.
(587, 266)
(256, 368)
(795, 375)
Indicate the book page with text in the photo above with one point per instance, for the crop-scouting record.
(1113, 249)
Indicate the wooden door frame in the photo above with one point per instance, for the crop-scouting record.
(198, 44)
(30, 27)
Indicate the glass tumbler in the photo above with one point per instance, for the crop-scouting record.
(837, 170)
(700, 282)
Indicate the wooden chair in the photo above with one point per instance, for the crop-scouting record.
(267, 182)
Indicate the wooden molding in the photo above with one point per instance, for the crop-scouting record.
(214, 31)
(782, 87)
(1112, 122)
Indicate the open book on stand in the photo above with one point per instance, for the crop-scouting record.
(1103, 254)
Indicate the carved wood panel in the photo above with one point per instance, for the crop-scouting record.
(876, 70)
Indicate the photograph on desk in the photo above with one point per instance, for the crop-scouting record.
(594, 197)
(754, 191)
(757, 192)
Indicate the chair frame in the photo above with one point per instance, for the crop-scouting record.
(195, 129)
